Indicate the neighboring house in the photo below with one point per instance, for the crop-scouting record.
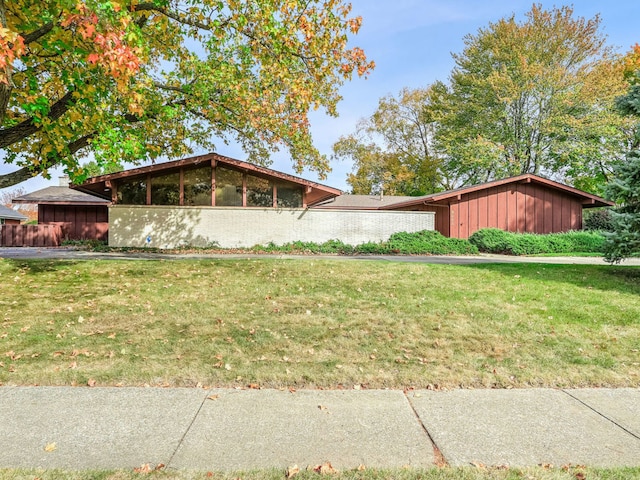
(81, 216)
(9, 216)
(526, 203)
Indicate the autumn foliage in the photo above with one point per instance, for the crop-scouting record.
(133, 80)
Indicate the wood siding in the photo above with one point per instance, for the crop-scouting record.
(30, 235)
(78, 222)
(520, 207)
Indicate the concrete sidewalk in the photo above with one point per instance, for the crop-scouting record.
(225, 429)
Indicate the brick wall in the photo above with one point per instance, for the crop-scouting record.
(168, 227)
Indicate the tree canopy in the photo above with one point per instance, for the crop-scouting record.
(393, 150)
(536, 97)
(532, 96)
(133, 80)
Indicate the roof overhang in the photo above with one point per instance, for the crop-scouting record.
(101, 185)
(588, 200)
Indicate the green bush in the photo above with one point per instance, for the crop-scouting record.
(599, 219)
(493, 240)
(428, 242)
(420, 243)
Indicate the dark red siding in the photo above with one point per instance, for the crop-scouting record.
(30, 235)
(522, 207)
(78, 222)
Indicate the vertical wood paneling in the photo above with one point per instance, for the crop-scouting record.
(472, 215)
(521, 205)
(454, 220)
(30, 236)
(566, 214)
(556, 207)
(492, 208)
(503, 202)
(576, 216)
(547, 213)
(512, 209)
(463, 217)
(76, 222)
(483, 213)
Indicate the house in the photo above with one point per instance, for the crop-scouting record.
(213, 200)
(81, 216)
(525, 203)
(9, 216)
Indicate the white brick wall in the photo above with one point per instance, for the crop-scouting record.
(229, 227)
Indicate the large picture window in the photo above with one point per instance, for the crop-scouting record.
(289, 196)
(165, 189)
(259, 192)
(228, 188)
(197, 186)
(133, 192)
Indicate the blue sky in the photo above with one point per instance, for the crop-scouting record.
(411, 42)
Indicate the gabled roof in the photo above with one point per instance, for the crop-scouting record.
(588, 200)
(60, 196)
(99, 185)
(361, 202)
(11, 214)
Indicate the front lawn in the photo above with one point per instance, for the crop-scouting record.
(310, 323)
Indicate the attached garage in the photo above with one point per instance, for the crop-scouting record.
(524, 204)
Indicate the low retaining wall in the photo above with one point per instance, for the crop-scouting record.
(229, 227)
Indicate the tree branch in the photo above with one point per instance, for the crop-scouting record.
(37, 34)
(11, 135)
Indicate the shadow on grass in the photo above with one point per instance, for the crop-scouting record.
(601, 277)
(32, 267)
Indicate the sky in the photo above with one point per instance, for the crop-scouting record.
(411, 42)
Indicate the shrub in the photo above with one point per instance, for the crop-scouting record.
(600, 219)
(428, 242)
(492, 240)
(419, 243)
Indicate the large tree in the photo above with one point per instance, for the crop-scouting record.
(535, 97)
(392, 150)
(624, 188)
(132, 80)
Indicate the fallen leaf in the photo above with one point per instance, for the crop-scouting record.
(292, 471)
(325, 469)
(50, 447)
(213, 397)
(144, 468)
(91, 382)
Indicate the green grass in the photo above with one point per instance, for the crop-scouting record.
(536, 473)
(307, 323)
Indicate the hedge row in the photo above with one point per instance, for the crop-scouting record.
(493, 240)
(424, 243)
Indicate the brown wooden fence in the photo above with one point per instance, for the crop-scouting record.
(30, 235)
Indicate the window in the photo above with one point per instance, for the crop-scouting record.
(197, 186)
(289, 196)
(133, 192)
(259, 192)
(165, 189)
(1, 221)
(228, 188)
